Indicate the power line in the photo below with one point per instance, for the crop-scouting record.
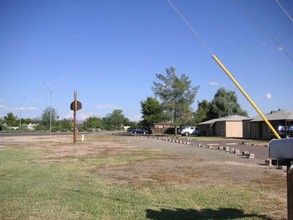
(191, 28)
(226, 71)
(284, 10)
(280, 48)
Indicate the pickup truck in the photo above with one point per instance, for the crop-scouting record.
(190, 130)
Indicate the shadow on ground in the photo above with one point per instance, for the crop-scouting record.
(203, 214)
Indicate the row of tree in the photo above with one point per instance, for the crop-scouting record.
(174, 96)
(173, 99)
(113, 121)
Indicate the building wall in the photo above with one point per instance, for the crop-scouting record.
(220, 129)
(206, 130)
(234, 129)
(228, 129)
(223, 129)
(254, 130)
(246, 129)
(260, 130)
(162, 129)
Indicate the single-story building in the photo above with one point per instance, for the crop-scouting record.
(162, 128)
(229, 126)
(256, 128)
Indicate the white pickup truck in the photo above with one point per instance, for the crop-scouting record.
(190, 130)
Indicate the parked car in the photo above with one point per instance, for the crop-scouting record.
(285, 131)
(282, 130)
(134, 130)
(190, 130)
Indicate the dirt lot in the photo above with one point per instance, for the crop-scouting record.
(179, 163)
(173, 164)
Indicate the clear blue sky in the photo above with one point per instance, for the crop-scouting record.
(110, 51)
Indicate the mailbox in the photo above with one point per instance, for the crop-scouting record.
(281, 149)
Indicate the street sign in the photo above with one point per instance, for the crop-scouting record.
(78, 106)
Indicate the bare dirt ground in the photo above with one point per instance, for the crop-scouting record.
(178, 163)
(174, 164)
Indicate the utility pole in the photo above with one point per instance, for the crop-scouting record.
(20, 107)
(50, 111)
(74, 118)
(75, 106)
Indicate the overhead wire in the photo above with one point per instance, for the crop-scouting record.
(225, 70)
(190, 27)
(284, 10)
(280, 48)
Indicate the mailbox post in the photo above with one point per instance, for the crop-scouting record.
(281, 152)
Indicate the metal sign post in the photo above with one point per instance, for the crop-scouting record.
(75, 106)
(290, 190)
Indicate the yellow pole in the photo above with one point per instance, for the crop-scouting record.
(246, 96)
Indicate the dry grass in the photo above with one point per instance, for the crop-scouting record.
(108, 177)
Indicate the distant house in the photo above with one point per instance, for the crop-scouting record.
(31, 127)
(230, 127)
(162, 128)
(256, 128)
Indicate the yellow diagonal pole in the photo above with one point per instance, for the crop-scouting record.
(246, 96)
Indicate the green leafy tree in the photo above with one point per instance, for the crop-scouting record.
(152, 111)
(177, 95)
(10, 119)
(202, 113)
(92, 124)
(65, 125)
(47, 113)
(224, 104)
(115, 121)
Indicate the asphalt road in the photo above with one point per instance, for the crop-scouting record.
(260, 151)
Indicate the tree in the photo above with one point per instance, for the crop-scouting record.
(115, 120)
(224, 104)
(10, 119)
(176, 95)
(65, 125)
(202, 112)
(47, 113)
(152, 111)
(92, 124)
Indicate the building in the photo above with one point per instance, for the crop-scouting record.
(230, 127)
(162, 128)
(256, 128)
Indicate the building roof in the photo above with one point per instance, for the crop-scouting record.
(227, 118)
(275, 116)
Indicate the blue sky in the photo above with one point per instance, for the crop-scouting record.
(110, 51)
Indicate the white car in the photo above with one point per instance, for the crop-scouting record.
(190, 130)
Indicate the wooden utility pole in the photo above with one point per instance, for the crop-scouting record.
(74, 117)
(75, 106)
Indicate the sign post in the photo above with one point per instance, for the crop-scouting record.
(75, 106)
(281, 152)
